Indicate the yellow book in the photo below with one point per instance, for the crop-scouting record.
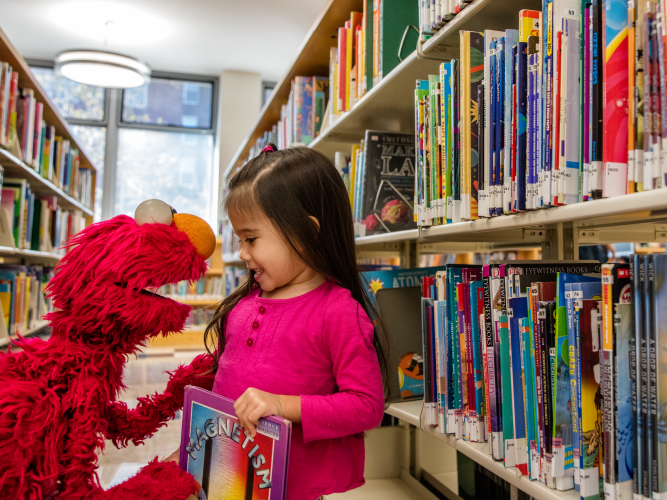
(27, 302)
(58, 151)
(6, 299)
(464, 92)
(333, 80)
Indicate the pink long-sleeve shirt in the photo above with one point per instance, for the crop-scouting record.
(319, 346)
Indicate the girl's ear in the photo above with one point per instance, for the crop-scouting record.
(317, 223)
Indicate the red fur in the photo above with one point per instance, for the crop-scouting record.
(58, 399)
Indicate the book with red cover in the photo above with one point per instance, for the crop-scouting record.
(224, 460)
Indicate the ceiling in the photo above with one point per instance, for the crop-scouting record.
(181, 36)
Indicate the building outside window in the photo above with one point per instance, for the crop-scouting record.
(157, 141)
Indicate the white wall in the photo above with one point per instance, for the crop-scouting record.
(240, 103)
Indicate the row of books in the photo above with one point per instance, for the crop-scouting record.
(370, 45)
(199, 319)
(35, 221)
(522, 120)
(234, 277)
(379, 175)
(22, 296)
(434, 14)
(24, 132)
(561, 366)
(300, 118)
(207, 288)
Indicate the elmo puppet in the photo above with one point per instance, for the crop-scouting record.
(59, 398)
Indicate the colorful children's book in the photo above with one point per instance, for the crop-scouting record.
(518, 308)
(616, 288)
(511, 37)
(590, 437)
(225, 461)
(615, 118)
(506, 390)
(623, 414)
(576, 291)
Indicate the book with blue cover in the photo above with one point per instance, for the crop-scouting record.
(518, 309)
(576, 291)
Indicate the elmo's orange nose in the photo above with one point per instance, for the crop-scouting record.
(198, 231)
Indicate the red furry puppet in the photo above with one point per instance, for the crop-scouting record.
(58, 398)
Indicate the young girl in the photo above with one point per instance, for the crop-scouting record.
(296, 340)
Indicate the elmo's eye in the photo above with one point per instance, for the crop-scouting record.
(154, 211)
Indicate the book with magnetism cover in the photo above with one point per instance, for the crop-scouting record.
(224, 460)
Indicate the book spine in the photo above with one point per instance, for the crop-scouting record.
(572, 117)
(586, 161)
(607, 376)
(597, 46)
(654, 431)
(522, 97)
(641, 309)
(615, 126)
(663, 98)
(506, 387)
(547, 115)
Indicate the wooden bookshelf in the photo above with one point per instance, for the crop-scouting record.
(10, 55)
(312, 59)
(556, 232)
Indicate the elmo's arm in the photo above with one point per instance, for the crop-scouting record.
(153, 412)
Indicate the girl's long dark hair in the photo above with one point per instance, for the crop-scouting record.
(291, 186)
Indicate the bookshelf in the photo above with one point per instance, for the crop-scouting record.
(39, 326)
(17, 169)
(14, 166)
(559, 231)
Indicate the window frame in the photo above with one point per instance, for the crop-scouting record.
(113, 108)
(38, 63)
(172, 128)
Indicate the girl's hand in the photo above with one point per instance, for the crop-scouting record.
(254, 404)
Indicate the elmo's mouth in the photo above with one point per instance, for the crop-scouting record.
(142, 292)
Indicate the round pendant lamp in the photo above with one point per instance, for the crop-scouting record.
(102, 69)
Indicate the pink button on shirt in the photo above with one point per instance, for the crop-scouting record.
(318, 346)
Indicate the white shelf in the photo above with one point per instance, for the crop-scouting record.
(396, 488)
(379, 489)
(32, 254)
(479, 452)
(40, 325)
(15, 168)
(388, 106)
(639, 213)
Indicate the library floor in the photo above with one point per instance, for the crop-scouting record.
(144, 375)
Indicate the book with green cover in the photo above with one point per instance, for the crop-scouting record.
(393, 30)
(506, 390)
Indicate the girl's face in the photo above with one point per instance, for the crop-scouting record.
(267, 254)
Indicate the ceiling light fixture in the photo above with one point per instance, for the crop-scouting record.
(102, 69)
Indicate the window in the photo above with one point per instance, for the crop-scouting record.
(85, 108)
(163, 135)
(93, 141)
(174, 167)
(73, 100)
(169, 102)
(267, 90)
